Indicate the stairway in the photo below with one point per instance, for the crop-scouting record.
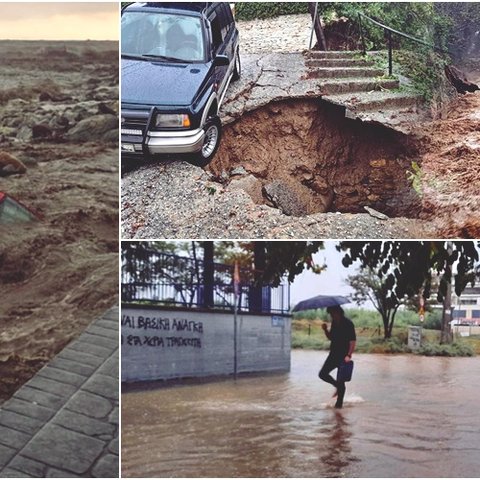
(348, 79)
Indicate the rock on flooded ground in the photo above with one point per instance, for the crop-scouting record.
(60, 273)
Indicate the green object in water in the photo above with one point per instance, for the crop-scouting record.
(12, 211)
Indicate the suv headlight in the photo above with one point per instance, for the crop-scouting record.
(172, 121)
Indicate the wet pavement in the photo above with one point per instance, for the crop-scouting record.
(404, 416)
(64, 421)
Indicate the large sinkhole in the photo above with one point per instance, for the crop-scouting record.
(304, 157)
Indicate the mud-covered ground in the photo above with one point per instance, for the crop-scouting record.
(58, 116)
(450, 167)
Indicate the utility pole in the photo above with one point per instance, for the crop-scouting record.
(208, 274)
(236, 291)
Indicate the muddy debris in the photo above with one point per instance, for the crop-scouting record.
(57, 274)
(311, 159)
(450, 160)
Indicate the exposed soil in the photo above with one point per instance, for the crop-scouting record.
(451, 164)
(325, 161)
(303, 157)
(287, 156)
(59, 273)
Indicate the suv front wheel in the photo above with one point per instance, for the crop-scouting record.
(211, 142)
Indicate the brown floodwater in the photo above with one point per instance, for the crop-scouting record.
(404, 416)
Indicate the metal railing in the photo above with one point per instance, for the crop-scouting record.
(180, 282)
(389, 32)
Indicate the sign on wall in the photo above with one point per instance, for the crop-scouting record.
(171, 332)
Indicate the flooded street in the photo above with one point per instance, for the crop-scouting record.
(404, 416)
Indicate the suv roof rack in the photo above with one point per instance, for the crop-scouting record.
(196, 6)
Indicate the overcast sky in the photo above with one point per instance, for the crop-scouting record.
(59, 20)
(330, 282)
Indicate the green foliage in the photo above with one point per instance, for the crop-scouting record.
(457, 349)
(433, 320)
(309, 342)
(319, 314)
(368, 340)
(369, 285)
(289, 258)
(252, 10)
(425, 69)
(415, 177)
(422, 20)
(370, 319)
(414, 18)
(407, 267)
(458, 28)
(474, 342)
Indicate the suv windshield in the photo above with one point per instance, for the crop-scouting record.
(173, 36)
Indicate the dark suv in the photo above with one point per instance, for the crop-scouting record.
(177, 62)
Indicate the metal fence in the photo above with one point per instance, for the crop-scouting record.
(181, 282)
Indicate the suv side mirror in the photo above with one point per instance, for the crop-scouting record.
(221, 61)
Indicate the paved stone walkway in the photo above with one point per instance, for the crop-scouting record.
(286, 33)
(64, 421)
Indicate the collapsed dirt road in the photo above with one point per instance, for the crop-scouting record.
(296, 167)
(58, 117)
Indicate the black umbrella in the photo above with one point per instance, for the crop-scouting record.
(320, 301)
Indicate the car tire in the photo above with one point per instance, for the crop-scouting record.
(237, 71)
(213, 135)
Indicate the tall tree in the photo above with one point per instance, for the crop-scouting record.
(407, 267)
(368, 285)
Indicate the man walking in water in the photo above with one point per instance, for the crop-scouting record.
(343, 340)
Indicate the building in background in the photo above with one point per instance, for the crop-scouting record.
(466, 312)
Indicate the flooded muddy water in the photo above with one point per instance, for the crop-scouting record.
(404, 416)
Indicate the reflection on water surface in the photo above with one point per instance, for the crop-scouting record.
(404, 416)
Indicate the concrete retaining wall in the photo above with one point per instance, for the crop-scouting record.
(161, 344)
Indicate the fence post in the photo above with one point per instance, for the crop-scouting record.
(364, 49)
(390, 47)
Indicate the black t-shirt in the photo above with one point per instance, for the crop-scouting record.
(341, 334)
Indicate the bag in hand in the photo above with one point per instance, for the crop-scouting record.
(344, 372)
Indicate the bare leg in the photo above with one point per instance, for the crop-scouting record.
(340, 394)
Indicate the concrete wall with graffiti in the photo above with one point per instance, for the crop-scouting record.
(162, 344)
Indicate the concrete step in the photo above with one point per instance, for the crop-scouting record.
(347, 72)
(375, 100)
(350, 85)
(405, 120)
(338, 62)
(333, 54)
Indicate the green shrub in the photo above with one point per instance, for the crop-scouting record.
(309, 342)
(252, 10)
(433, 320)
(319, 314)
(426, 70)
(456, 349)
